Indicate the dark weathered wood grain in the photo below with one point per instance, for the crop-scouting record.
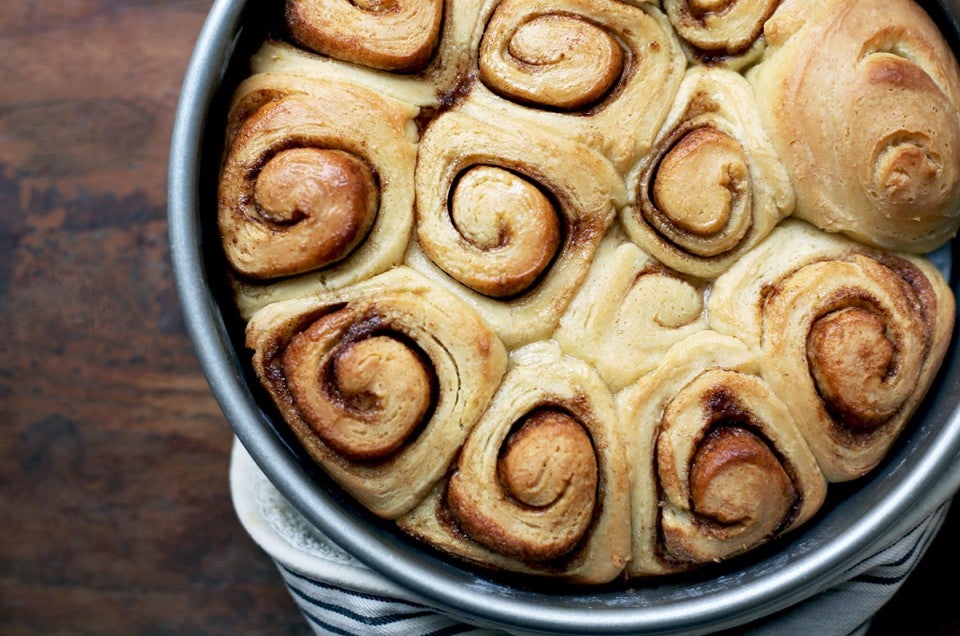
(115, 516)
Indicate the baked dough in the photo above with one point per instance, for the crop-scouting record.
(712, 186)
(849, 337)
(294, 147)
(862, 101)
(509, 217)
(541, 484)
(533, 288)
(721, 32)
(717, 464)
(381, 381)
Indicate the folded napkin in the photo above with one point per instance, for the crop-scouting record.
(339, 595)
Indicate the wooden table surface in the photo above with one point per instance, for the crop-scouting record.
(115, 513)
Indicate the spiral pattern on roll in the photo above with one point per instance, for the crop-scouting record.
(629, 312)
(510, 217)
(599, 71)
(726, 32)
(381, 382)
(547, 472)
(509, 231)
(730, 467)
(848, 337)
(540, 485)
(303, 202)
(876, 81)
(359, 384)
(396, 35)
(712, 185)
(552, 60)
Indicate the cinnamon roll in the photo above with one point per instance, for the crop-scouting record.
(540, 486)
(399, 35)
(717, 464)
(862, 102)
(849, 337)
(381, 382)
(309, 199)
(599, 71)
(721, 32)
(414, 50)
(509, 218)
(712, 186)
(629, 311)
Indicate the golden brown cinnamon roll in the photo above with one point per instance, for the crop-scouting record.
(599, 71)
(415, 50)
(712, 186)
(541, 483)
(725, 32)
(849, 337)
(861, 101)
(630, 310)
(380, 381)
(717, 465)
(310, 199)
(398, 35)
(509, 218)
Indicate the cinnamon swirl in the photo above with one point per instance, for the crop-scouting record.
(721, 32)
(718, 465)
(541, 484)
(308, 199)
(509, 218)
(848, 336)
(602, 72)
(411, 49)
(713, 185)
(381, 381)
(862, 101)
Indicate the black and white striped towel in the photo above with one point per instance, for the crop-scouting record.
(339, 595)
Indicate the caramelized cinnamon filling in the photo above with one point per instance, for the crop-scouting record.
(548, 454)
(363, 398)
(851, 357)
(549, 477)
(319, 205)
(736, 478)
(510, 231)
(720, 27)
(393, 35)
(716, 163)
(556, 60)
(699, 196)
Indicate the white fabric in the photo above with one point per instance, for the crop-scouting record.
(339, 595)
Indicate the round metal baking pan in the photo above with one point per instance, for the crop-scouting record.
(859, 518)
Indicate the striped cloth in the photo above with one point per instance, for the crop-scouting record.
(339, 595)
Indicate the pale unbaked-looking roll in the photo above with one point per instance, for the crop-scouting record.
(712, 186)
(509, 217)
(861, 98)
(541, 484)
(381, 382)
(717, 464)
(628, 312)
(316, 189)
(849, 336)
